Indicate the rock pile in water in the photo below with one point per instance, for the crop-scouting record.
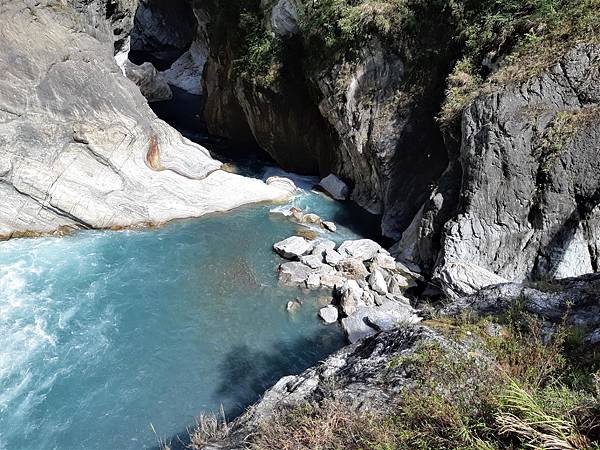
(368, 285)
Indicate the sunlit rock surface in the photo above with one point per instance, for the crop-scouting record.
(79, 146)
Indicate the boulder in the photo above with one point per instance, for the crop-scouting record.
(367, 321)
(294, 273)
(377, 282)
(322, 246)
(293, 247)
(329, 226)
(383, 261)
(351, 297)
(313, 281)
(332, 280)
(363, 249)
(334, 187)
(332, 257)
(329, 314)
(352, 268)
(293, 305)
(312, 261)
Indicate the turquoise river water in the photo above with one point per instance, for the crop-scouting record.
(103, 334)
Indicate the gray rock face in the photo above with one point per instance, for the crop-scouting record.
(352, 118)
(186, 72)
(530, 186)
(80, 148)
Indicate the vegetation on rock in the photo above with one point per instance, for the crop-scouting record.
(517, 387)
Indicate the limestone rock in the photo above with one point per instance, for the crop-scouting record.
(322, 246)
(329, 226)
(284, 18)
(81, 147)
(367, 321)
(334, 187)
(186, 72)
(284, 184)
(293, 247)
(332, 257)
(329, 314)
(312, 261)
(313, 281)
(383, 261)
(332, 280)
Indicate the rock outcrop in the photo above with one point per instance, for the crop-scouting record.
(79, 146)
(528, 184)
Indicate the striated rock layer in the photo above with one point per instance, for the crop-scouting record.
(79, 146)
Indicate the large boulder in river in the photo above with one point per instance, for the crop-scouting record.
(79, 145)
(293, 247)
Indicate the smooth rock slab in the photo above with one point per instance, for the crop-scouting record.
(293, 247)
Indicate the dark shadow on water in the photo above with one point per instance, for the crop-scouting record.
(246, 373)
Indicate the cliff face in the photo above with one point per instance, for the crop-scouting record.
(360, 117)
(80, 148)
(529, 186)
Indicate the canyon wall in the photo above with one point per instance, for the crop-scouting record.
(79, 145)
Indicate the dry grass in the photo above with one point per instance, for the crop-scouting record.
(209, 428)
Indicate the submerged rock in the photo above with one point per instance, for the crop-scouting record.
(293, 247)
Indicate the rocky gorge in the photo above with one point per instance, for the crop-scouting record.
(471, 129)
